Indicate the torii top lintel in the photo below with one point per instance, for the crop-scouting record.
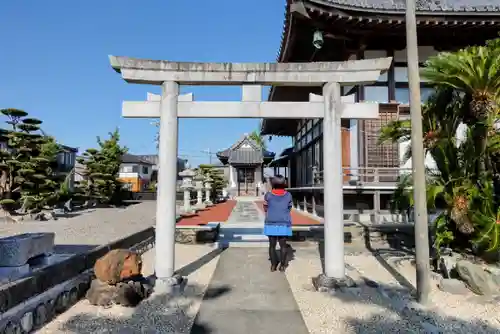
(155, 72)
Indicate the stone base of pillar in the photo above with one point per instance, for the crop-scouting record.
(323, 283)
(200, 206)
(188, 213)
(167, 285)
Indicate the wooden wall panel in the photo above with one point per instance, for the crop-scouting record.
(346, 151)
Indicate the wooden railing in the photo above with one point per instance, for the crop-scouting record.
(364, 175)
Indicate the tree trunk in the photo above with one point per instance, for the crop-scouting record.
(480, 133)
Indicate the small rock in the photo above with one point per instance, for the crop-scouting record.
(40, 315)
(27, 322)
(73, 296)
(12, 328)
(50, 307)
(478, 280)
(453, 286)
(61, 302)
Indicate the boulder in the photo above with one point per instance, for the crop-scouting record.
(118, 265)
(453, 286)
(128, 293)
(477, 279)
(101, 293)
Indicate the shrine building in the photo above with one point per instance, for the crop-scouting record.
(338, 30)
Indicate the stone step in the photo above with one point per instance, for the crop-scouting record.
(243, 237)
(243, 244)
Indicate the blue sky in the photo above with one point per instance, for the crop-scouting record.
(54, 63)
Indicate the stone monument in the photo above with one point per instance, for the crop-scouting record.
(118, 280)
(208, 189)
(187, 176)
(198, 185)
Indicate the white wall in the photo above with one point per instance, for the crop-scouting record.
(429, 161)
(126, 170)
(424, 52)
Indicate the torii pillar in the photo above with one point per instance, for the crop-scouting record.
(171, 106)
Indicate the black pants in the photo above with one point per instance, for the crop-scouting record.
(272, 250)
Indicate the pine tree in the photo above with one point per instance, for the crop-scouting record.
(217, 176)
(102, 166)
(25, 164)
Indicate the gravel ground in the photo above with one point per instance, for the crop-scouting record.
(387, 308)
(158, 314)
(92, 228)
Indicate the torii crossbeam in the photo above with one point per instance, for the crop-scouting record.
(170, 106)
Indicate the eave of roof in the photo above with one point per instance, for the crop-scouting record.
(133, 159)
(68, 148)
(434, 7)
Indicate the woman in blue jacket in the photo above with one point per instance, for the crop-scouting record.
(278, 223)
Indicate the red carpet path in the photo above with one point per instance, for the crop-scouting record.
(297, 218)
(217, 213)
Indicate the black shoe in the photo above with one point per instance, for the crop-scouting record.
(282, 267)
(273, 267)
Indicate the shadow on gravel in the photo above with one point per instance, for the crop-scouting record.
(379, 251)
(200, 262)
(157, 314)
(400, 312)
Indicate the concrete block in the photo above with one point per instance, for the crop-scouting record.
(16, 250)
(9, 274)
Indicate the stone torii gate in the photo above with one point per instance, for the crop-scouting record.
(170, 106)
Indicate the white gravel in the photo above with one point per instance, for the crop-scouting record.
(158, 314)
(98, 227)
(388, 308)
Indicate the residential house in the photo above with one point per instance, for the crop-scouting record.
(153, 158)
(135, 172)
(66, 160)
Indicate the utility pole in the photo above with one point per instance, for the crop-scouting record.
(209, 152)
(209, 156)
(418, 162)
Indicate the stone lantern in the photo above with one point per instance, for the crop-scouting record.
(198, 185)
(187, 176)
(208, 188)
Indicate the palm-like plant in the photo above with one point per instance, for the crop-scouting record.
(257, 137)
(462, 184)
(474, 72)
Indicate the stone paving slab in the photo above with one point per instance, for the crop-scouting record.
(258, 301)
(245, 212)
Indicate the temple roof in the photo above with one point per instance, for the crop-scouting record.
(436, 6)
(368, 23)
(244, 151)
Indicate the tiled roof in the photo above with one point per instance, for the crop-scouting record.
(245, 156)
(470, 6)
(134, 159)
(239, 154)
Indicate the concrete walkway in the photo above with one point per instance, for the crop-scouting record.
(244, 226)
(254, 301)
